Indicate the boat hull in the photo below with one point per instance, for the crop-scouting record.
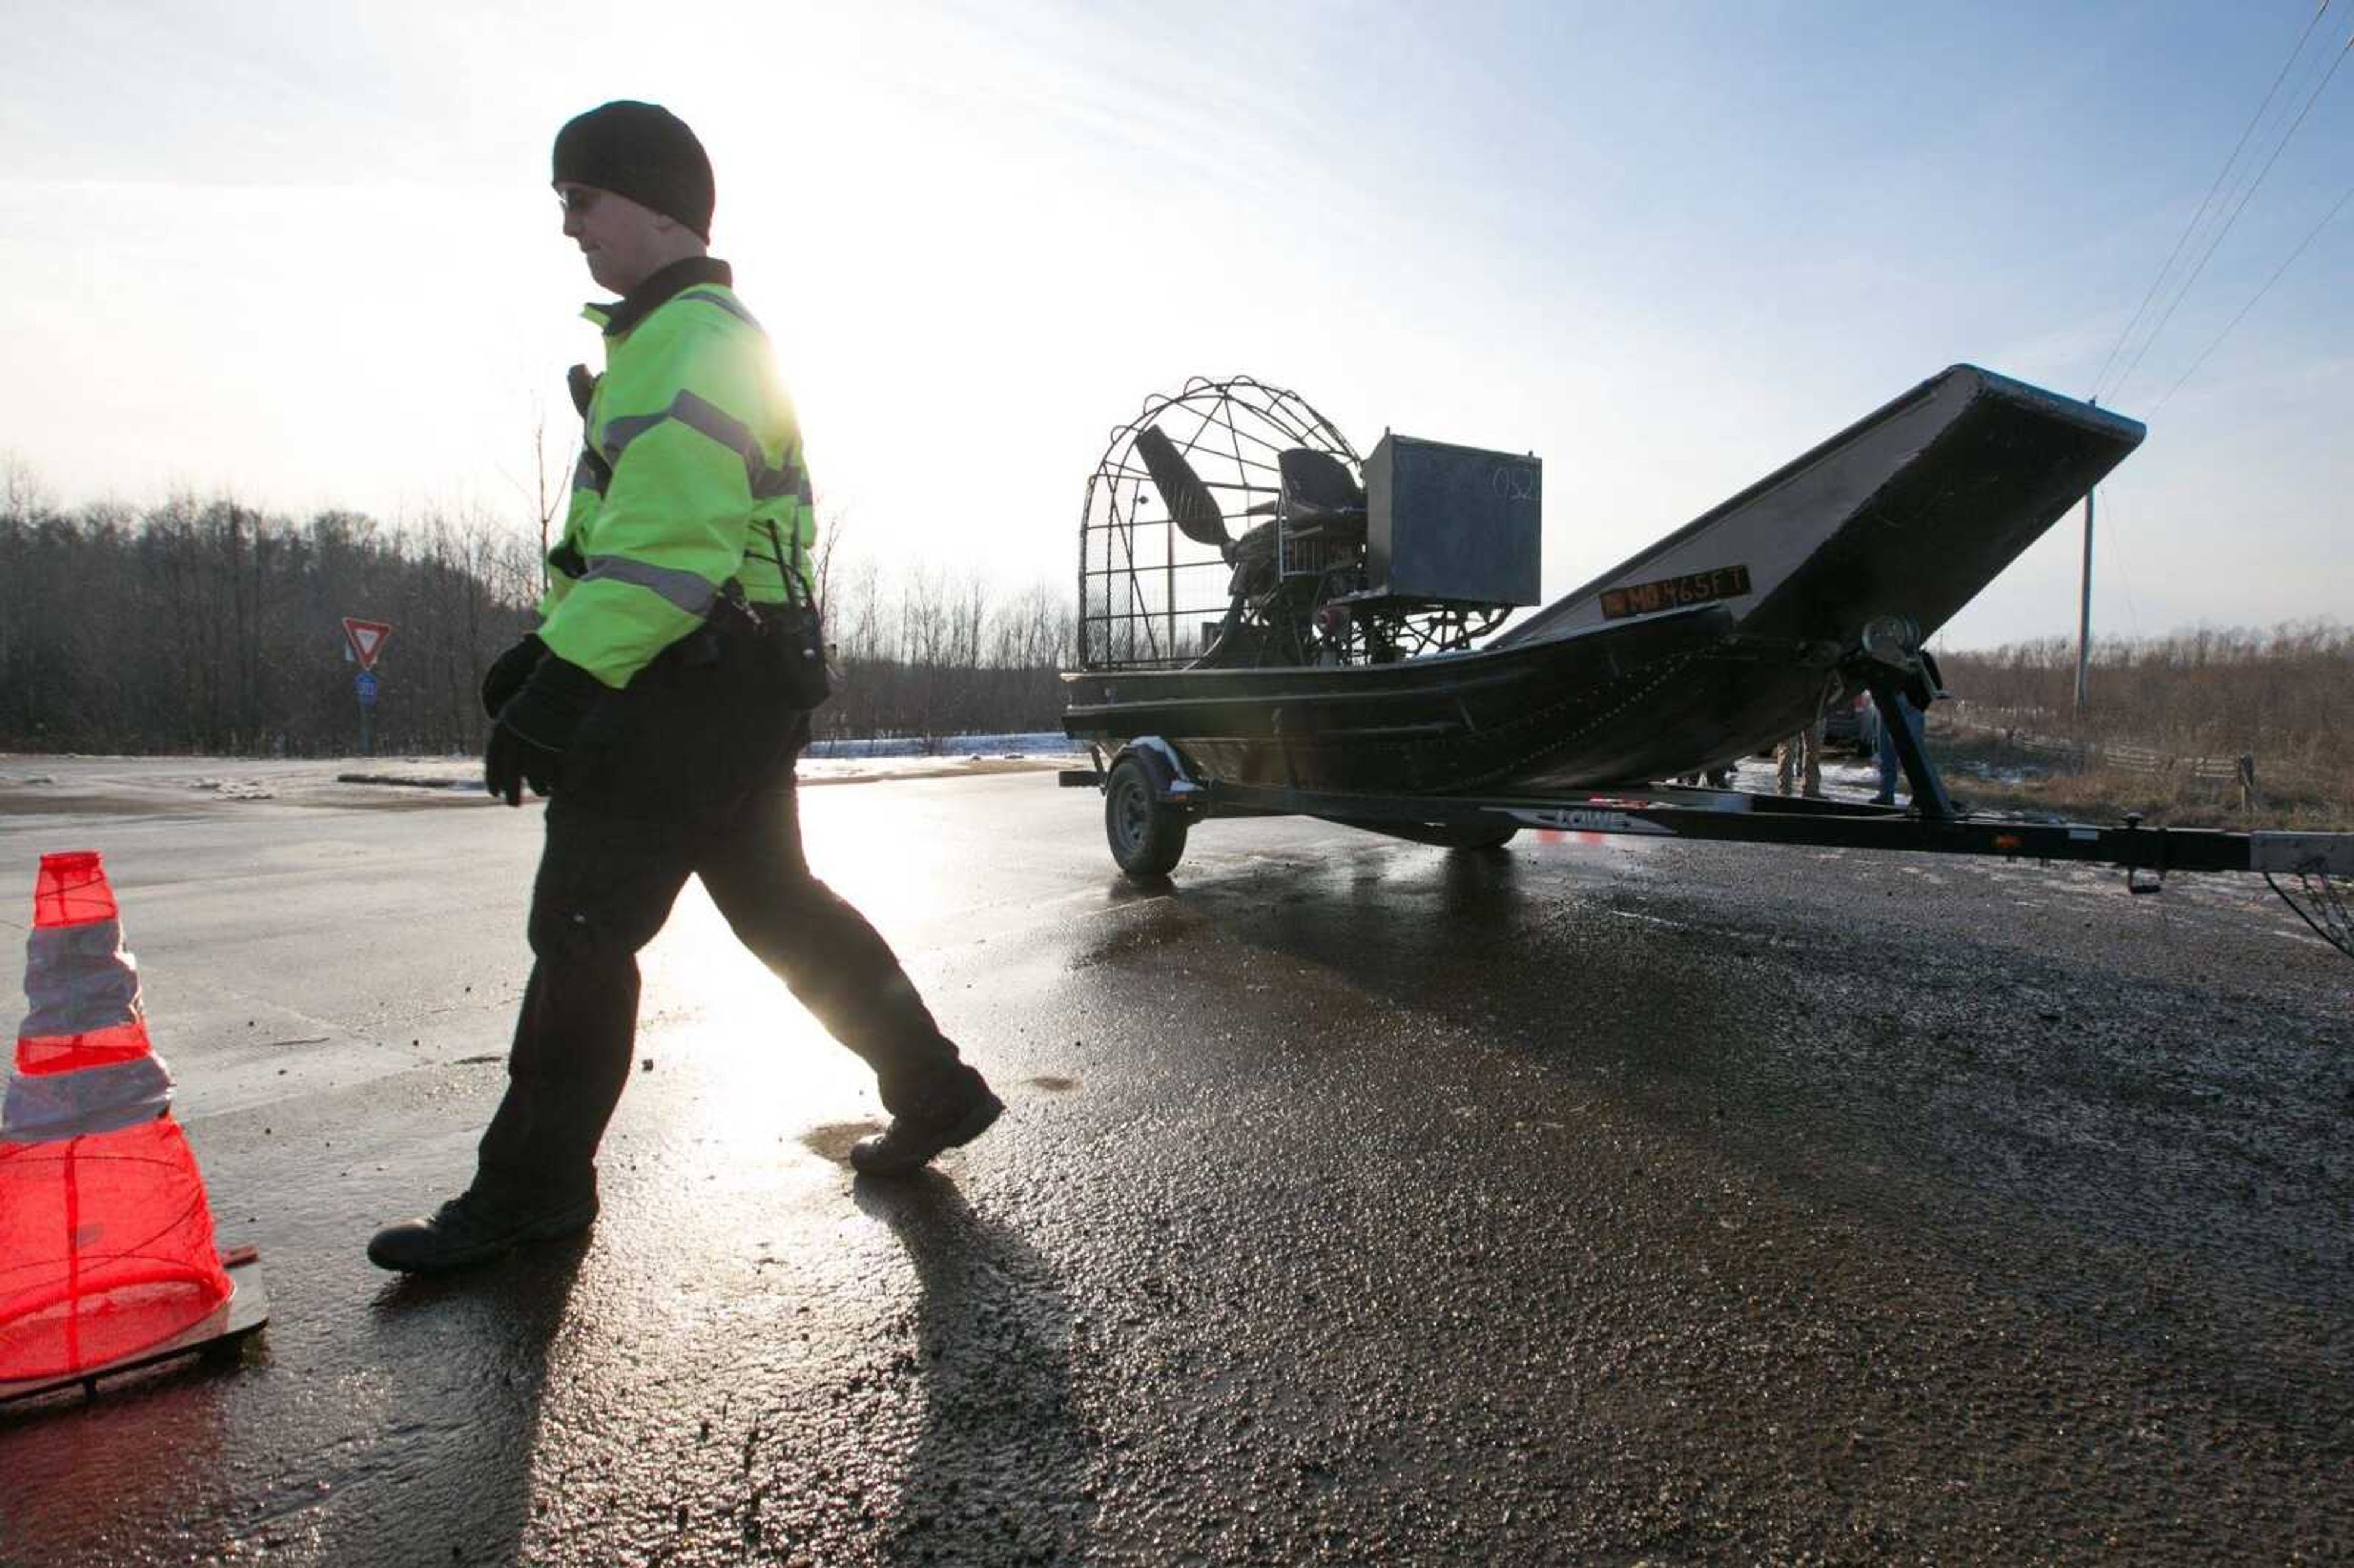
(1449, 723)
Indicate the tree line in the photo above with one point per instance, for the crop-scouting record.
(212, 627)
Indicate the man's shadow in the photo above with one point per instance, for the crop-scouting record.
(999, 1466)
(468, 1354)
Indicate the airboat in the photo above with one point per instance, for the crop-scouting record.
(1270, 624)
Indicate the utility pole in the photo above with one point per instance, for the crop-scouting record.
(2084, 610)
(2085, 606)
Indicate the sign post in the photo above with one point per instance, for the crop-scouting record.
(364, 684)
(363, 640)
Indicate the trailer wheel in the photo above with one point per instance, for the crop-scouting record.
(1147, 837)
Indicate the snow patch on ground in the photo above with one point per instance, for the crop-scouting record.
(1842, 780)
(1028, 743)
(824, 762)
(827, 762)
(234, 789)
(59, 781)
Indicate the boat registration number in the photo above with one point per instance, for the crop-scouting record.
(1674, 593)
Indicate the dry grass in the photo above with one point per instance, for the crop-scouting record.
(1987, 772)
(2178, 711)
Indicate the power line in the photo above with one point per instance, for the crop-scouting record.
(2201, 216)
(2279, 147)
(2315, 234)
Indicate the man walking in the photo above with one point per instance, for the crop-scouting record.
(661, 707)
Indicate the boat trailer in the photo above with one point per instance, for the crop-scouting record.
(1151, 800)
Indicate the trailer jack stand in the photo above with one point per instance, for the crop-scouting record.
(1929, 796)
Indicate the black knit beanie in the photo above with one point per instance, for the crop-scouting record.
(643, 152)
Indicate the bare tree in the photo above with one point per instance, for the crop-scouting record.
(830, 534)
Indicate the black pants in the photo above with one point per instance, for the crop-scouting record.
(688, 771)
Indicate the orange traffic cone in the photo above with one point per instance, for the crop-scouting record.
(106, 1242)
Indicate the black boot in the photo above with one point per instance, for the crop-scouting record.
(470, 1229)
(922, 1131)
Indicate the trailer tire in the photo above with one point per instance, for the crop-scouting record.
(1147, 836)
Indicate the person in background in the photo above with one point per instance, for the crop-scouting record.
(1926, 686)
(1799, 763)
(661, 707)
(1884, 747)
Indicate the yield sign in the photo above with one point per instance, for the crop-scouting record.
(366, 637)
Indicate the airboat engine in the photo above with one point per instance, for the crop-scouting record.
(1421, 548)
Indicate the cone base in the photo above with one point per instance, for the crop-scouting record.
(246, 1311)
(106, 1248)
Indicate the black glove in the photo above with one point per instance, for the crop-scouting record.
(509, 670)
(535, 728)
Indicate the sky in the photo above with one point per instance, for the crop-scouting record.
(304, 252)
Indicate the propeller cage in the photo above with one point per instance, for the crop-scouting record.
(1229, 525)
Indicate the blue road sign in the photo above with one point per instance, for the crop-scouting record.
(364, 684)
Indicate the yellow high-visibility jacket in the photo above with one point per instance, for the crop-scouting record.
(692, 475)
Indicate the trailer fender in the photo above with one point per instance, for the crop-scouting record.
(1171, 780)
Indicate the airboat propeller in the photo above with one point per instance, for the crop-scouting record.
(1190, 506)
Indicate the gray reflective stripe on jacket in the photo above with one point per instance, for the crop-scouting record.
(44, 1107)
(79, 979)
(705, 417)
(688, 590)
(734, 307)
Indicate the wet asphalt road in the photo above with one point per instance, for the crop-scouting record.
(1359, 1202)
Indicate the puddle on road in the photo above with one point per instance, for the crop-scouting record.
(1051, 1085)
